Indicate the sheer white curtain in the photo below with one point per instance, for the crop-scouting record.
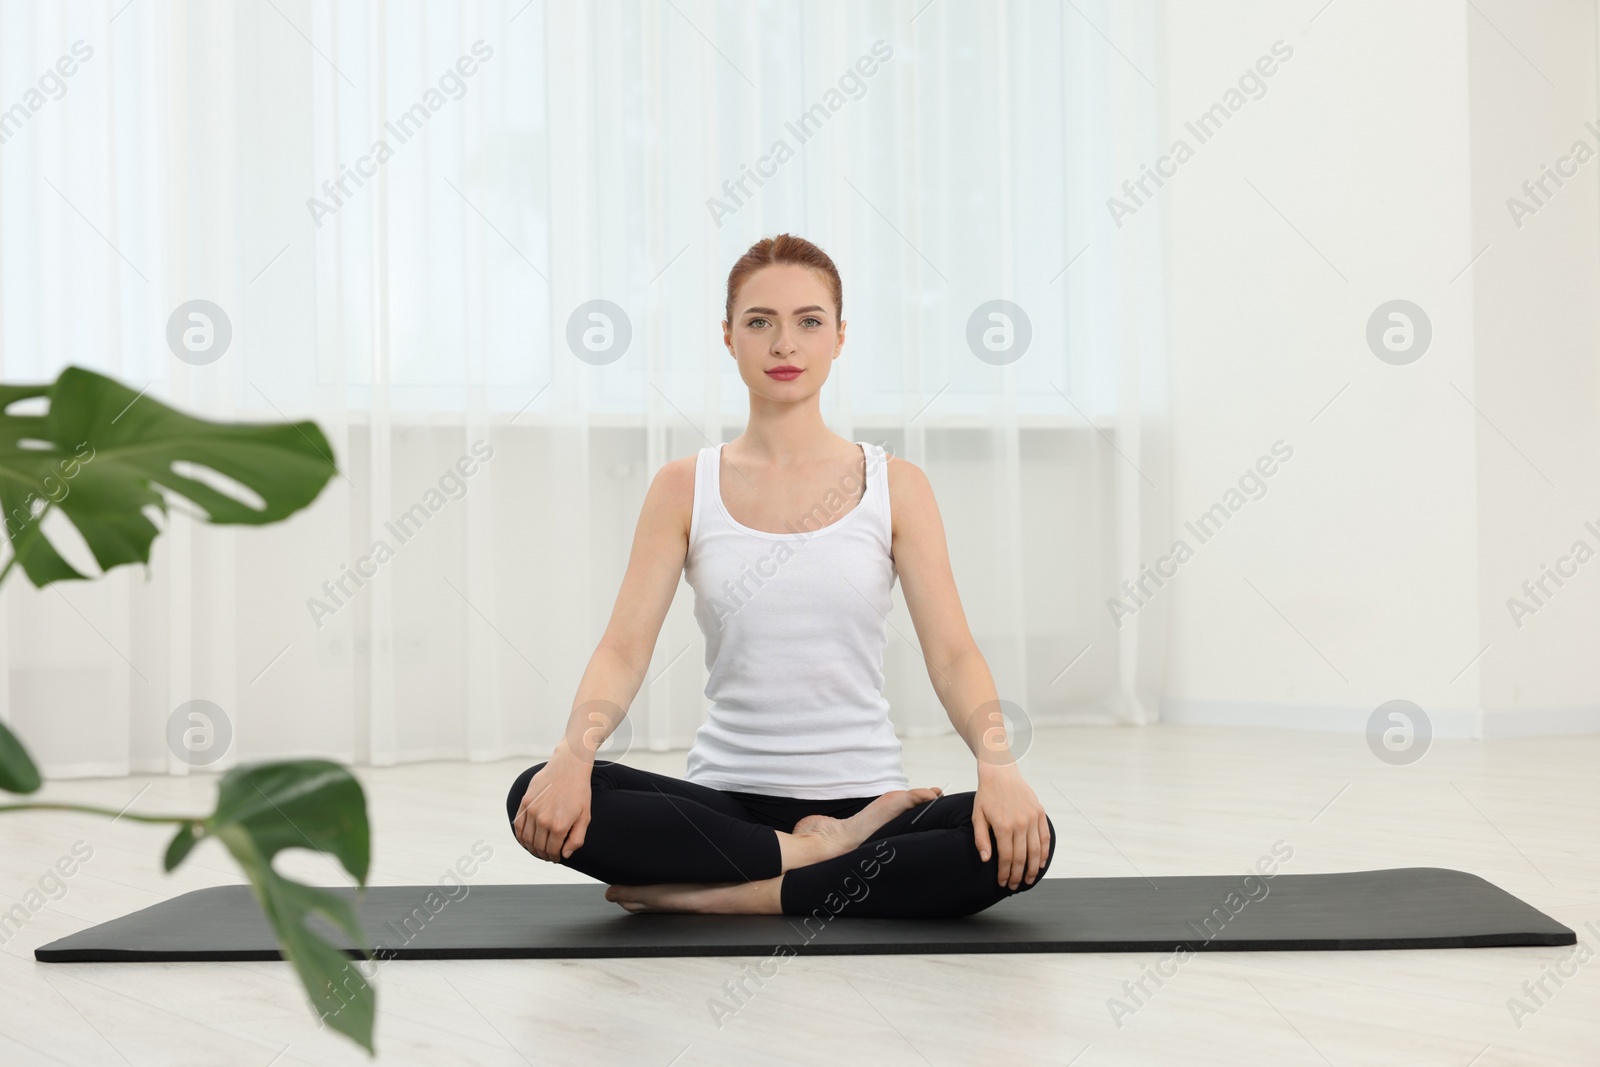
(404, 211)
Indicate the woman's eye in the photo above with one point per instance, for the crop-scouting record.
(762, 321)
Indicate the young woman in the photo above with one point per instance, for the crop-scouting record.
(791, 537)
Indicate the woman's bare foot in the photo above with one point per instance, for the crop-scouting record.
(819, 837)
(724, 898)
(815, 838)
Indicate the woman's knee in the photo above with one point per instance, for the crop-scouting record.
(1044, 865)
(519, 789)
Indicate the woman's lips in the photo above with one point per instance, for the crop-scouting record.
(787, 374)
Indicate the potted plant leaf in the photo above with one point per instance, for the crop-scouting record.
(97, 455)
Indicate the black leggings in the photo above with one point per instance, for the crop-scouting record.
(648, 829)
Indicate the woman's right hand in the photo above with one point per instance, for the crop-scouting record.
(554, 813)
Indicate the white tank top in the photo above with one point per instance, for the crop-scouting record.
(795, 625)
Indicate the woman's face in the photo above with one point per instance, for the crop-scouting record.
(783, 316)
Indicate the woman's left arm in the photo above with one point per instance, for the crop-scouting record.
(1005, 803)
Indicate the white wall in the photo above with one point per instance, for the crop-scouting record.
(1537, 339)
(1378, 562)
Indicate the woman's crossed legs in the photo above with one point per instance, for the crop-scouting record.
(664, 844)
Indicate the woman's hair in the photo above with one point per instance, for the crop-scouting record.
(785, 248)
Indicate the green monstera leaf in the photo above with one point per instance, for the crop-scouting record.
(17, 772)
(101, 455)
(100, 451)
(263, 809)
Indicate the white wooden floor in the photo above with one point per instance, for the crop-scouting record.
(1165, 800)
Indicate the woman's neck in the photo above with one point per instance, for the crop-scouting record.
(790, 434)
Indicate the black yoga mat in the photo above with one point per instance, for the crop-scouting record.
(1410, 907)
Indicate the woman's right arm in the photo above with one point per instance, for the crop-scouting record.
(554, 813)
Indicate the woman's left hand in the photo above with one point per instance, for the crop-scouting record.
(1008, 805)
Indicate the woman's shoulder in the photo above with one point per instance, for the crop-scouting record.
(902, 474)
(911, 502)
(676, 478)
(671, 493)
